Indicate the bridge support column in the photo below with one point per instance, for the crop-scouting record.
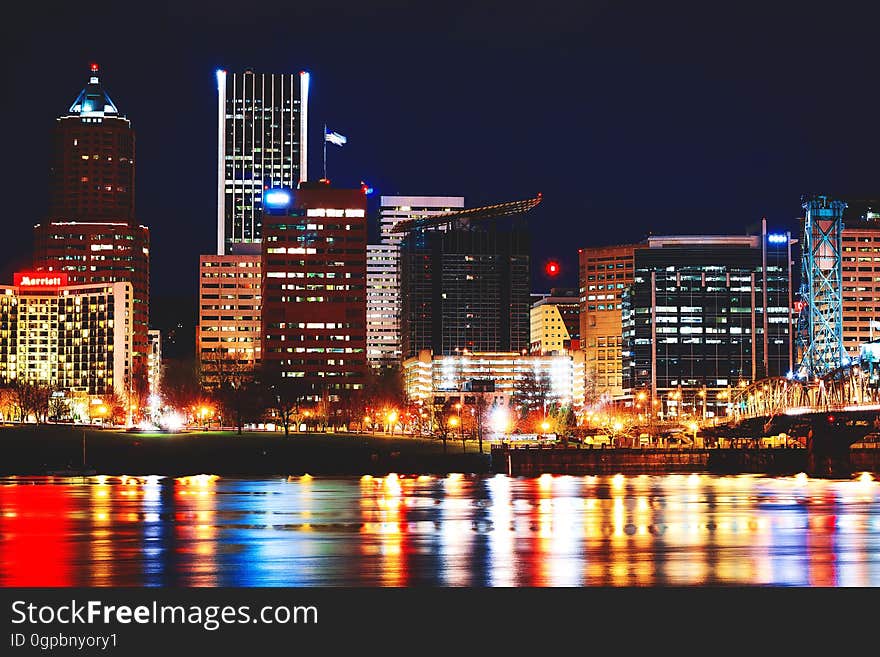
(828, 453)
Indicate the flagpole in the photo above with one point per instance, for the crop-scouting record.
(324, 139)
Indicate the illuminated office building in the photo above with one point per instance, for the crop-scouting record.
(383, 272)
(314, 270)
(228, 338)
(861, 274)
(604, 273)
(262, 143)
(91, 234)
(465, 286)
(704, 315)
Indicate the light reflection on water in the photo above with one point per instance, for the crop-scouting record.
(674, 530)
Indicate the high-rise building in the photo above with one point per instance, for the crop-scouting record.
(93, 159)
(383, 305)
(466, 287)
(604, 272)
(314, 271)
(555, 323)
(262, 143)
(76, 339)
(861, 274)
(228, 338)
(396, 209)
(91, 233)
(704, 315)
(383, 274)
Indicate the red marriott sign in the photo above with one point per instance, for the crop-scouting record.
(39, 279)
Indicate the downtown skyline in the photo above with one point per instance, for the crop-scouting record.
(621, 126)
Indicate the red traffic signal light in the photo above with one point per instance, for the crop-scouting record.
(552, 268)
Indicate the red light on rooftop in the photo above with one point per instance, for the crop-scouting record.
(94, 67)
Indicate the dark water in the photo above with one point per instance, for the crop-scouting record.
(444, 531)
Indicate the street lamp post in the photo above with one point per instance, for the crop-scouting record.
(453, 422)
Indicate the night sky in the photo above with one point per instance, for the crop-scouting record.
(630, 118)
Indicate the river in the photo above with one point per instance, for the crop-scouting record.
(456, 530)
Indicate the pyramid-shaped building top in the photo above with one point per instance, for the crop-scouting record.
(93, 100)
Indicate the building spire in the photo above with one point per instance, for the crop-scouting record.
(93, 100)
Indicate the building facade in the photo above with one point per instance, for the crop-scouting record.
(465, 288)
(98, 253)
(314, 303)
(383, 305)
(93, 159)
(71, 338)
(91, 234)
(228, 337)
(704, 315)
(383, 272)
(555, 323)
(861, 275)
(262, 143)
(604, 273)
(433, 379)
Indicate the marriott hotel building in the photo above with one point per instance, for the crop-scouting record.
(75, 338)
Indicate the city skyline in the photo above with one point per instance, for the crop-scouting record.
(620, 150)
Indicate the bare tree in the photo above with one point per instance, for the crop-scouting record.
(58, 407)
(8, 406)
(283, 395)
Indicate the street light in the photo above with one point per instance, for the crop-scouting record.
(616, 427)
(693, 426)
(392, 418)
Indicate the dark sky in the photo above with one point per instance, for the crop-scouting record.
(629, 117)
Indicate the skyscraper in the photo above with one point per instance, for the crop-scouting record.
(91, 233)
(262, 143)
(383, 272)
(228, 334)
(314, 302)
(861, 273)
(705, 314)
(466, 287)
(605, 271)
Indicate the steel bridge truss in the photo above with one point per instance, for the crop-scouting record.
(846, 388)
(821, 338)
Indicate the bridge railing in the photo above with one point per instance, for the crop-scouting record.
(847, 387)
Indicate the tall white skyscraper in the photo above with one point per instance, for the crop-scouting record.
(262, 142)
(383, 272)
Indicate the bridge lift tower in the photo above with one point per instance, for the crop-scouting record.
(820, 325)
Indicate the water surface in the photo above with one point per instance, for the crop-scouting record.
(458, 530)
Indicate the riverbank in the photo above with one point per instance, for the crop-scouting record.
(36, 450)
(32, 450)
(562, 460)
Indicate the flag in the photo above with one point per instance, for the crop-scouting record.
(875, 324)
(334, 137)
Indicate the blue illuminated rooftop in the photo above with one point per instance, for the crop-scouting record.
(93, 100)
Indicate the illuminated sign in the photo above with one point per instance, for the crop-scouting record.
(276, 198)
(799, 306)
(777, 238)
(39, 279)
